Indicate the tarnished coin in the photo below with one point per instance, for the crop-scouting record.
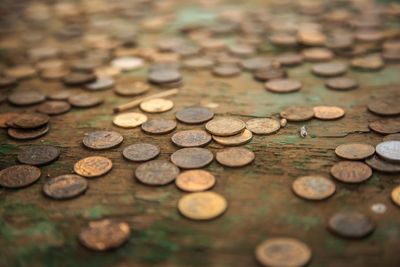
(164, 75)
(93, 166)
(132, 89)
(156, 105)
(104, 234)
(235, 157)
(378, 164)
(256, 63)
(85, 100)
(192, 157)
(30, 120)
(20, 72)
(389, 150)
(386, 126)
(313, 187)
(191, 138)
(351, 224)
(283, 85)
(195, 180)
(283, 252)
(328, 112)
(269, 74)
(263, 126)
(226, 70)
(26, 134)
(225, 126)
(385, 107)
(341, 83)
(6, 117)
(396, 195)
(38, 155)
(317, 54)
(368, 63)
(26, 98)
(392, 137)
(18, 176)
(102, 140)
(127, 63)
(290, 59)
(54, 107)
(194, 115)
(7, 82)
(329, 69)
(102, 83)
(156, 172)
(355, 151)
(129, 120)
(65, 186)
(202, 205)
(158, 126)
(234, 140)
(351, 171)
(78, 78)
(141, 152)
(60, 95)
(297, 113)
(195, 63)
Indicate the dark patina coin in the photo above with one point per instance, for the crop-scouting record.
(102, 140)
(19, 176)
(379, 164)
(7, 117)
(194, 115)
(38, 155)
(351, 224)
(26, 98)
(329, 69)
(341, 83)
(386, 126)
(385, 107)
(192, 158)
(157, 172)
(65, 186)
(54, 107)
(78, 78)
(30, 120)
(191, 138)
(158, 126)
(84, 100)
(26, 134)
(141, 152)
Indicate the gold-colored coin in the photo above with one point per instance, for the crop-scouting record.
(234, 140)
(396, 195)
(225, 126)
(313, 187)
(94, 166)
(156, 105)
(195, 180)
(129, 120)
(328, 112)
(202, 205)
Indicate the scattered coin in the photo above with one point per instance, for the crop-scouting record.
(141, 152)
(313, 187)
(202, 205)
(195, 63)
(328, 112)
(26, 98)
(192, 157)
(132, 89)
(7, 82)
(283, 85)
(65, 186)
(102, 83)
(269, 74)
(78, 78)
(93, 166)
(234, 140)
(195, 180)
(355, 151)
(85, 100)
(297, 113)
(156, 172)
(156, 105)
(351, 171)
(30, 120)
(341, 83)
(389, 150)
(290, 59)
(351, 224)
(191, 138)
(102, 140)
(263, 126)
(385, 107)
(6, 117)
(368, 63)
(392, 137)
(194, 115)
(226, 70)
(60, 95)
(26, 134)
(317, 54)
(396, 195)
(256, 63)
(235, 157)
(158, 126)
(379, 164)
(164, 75)
(38, 155)
(129, 120)
(329, 69)
(18, 176)
(378, 208)
(53, 107)
(385, 126)
(127, 63)
(225, 126)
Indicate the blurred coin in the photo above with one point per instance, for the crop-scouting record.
(317, 54)
(297, 113)
(26, 98)
(235, 157)
(156, 172)
(194, 115)
(290, 59)
(396, 195)
(234, 140)
(389, 150)
(226, 70)
(38, 155)
(65, 186)
(202, 205)
(156, 105)
(392, 137)
(368, 63)
(20, 72)
(341, 83)
(30, 120)
(7, 82)
(269, 74)
(102, 140)
(351, 224)
(263, 126)
(18, 176)
(141, 152)
(78, 78)
(102, 83)
(283, 39)
(225, 126)
(5, 117)
(192, 157)
(129, 120)
(313, 187)
(164, 75)
(60, 95)
(195, 63)
(386, 126)
(127, 63)
(329, 69)
(385, 107)
(26, 134)
(354, 151)
(54, 74)
(132, 89)
(256, 63)
(195, 180)
(191, 138)
(84, 100)
(53, 107)
(283, 85)
(93, 166)
(378, 164)
(351, 171)
(158, 126)
(328, 112)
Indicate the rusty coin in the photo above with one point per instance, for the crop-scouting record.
(385, 107)
(158, 126)
(194, 115)
(192, 157)
(290, 59)
(329, 69)
(195, 181)
(202, 205)
(30, 120)
(355, 151)
(283, 85)
(26, 98)
(297, 113)
(156, 172)
(386, 126)
(85, 100)
(102, 140)
(141, 152)
(313, 187)
(26, 134)
(132, 89)
(65, 186)
(328, 112)
(191, 138)
(351, 171)
(234, 140)
(18, 176)
(53, 107)
(38, 155)
(255, 63)
(378, 164)
(389, 150)
(156, 105)
(351, 224)
(235, 157)
(225, 126)
(129, 120)
(263, 126)
(7, 117)
(93, 166)
(317, 54)
(341, 83)
(395, 195)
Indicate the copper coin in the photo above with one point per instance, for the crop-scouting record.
(351, 171)
(101, 83)
(129, 120)
(53, 107)
(234, 140)
(351, 225)
(156, 105)
(283, 39)
(313, 187)
(26, 134)
(102, 140)
(132, 89)
(195, 181)
(30, 120)
(194, 115)
(328, 112)
(158, 126)
(379, 164)
(38, 155)
(235, 157)
(263, 126)
(395, 195)
(242, 50)
(18, 176)
(317, 54)
(389, 150)
(392, 137)
(78, 78)
(329, 69)
(297, 113)
(341, 83)
(198, 63)
(269, 74)
(385, 107)
(225, 126)
(93, 166)
(5, 117)
(166, 75)
(26, 98)
(65, 186)
(192, 157)
(156, 172)
(84, 100)
(226, 70)
(355, 151)
(386, 126)
(54, 74)
(283, 85)
(283, 252)
(127, 63)
(191, 138)
(290, 59)
(104, 234)
(256, 63)
(141, 152)
(7, 82)
(60, 95)
(202, 205)
(368, 63)
(20, 72)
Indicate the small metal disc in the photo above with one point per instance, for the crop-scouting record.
(26, 98)
(255, 63)
(192, 157)
(53, 107)
(102, 83)
(30, 120)
(385, 107)
(341, 83)
(329, 69)
(235, 157)
(202, 205)
(164, 75)
(38, 155)
(7, 117)
(132, 89)
(297, 113)
(191, 138)
(195, 63)
(234, 140)
(283, 85)
(351, 225)
(93, 166)
(27, 134)
(379, 164)
(141, 152)
(328, 112)
(354, 151)
(290, 59)
(226, 70)
(317, 54)
(78, 78)
(18, 176)
(85, 100)
(156, 105)
(194, 115)
(368, 63)
(127, 63)
(395, 195)
(159, 126)
(263, 126)
(389, 150)
(60, 95)
(195, 181)
(351, 171)
(102, 140)
(392, 137)
(156, 172)
(313, 187)
(264, 75)
(129, 120)
(225, 126)
(386, 126)
(65, 186)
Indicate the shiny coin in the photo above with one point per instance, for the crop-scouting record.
(263, 126)
(355, 151)
(156, 105)
(225, 126)
(60, 95)
(313, 187)
(194, 115)
(351, 224)
(389, 150)
(156, 172)
(368, 63)
(234, 140)
(78, 78)
(102, 83)
(158, 126)
(396, 195)
(127, 63)
(30, 120)
(387, 126)
(104, 234)
(26, 134)
(202, 205)
(283, 85)
(132, 89)
(378, 164)
(191, 138)
(269, 74)
(6, 117)
(19, 176)
(65, 186)
(226, 70)
(84, 100)
(297, 113)
(235, 157)
(328, 112)
(192, 157)
(392, 137)
(129, 120)
(164, 75)
(341, 83)
(329, 69)
(283, 252)
(195, 181)
(54, 107)
(94, 166)
(351, 171)
(38, 155)
(385, 107)
(102, 140)
(141, 152)
(26, 98)
(317, 54)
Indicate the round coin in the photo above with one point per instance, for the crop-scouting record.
(30, 120)
(392, 137)
(297, 113)
(93, 166)
(158, 126)
(194, 115)
(395, 195)
(202, 205)
(53, 107)
(313, 187)
(6, 117)
(351, 171)
(129, 120)
(389, 150)
(195, 181)
(341, 83)
(235, 157)
(386, 126)
(26, 98)
(127, 63)
(385, 107)
(78, 78)
(328, 112)
(156, 105)
(132, 89)
(60, 95)
(225, 126)
(269, 74)
(263, 126)
(329, 69)
(156, 172)
(102, 83)
(65, 186)
(351, 224)
(378, 164)
(283, 85)
(102, 140)
(317, 54)
(234, 140)
(141, 152)
(355, 151)
(192, 157)
(84, 100)
(191, 138)
(19, 176)
(38, 155)
(26, 134)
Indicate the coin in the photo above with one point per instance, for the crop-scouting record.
(18, 176)
(269, 74)
(102, 140)
(255, 63)
(191, 138)
(263, 126)
(297, 113)
(93, 166)
(385, 107)
(313, 187)
(195, 63)
(226, 70)
(7, 82)
(368, 63)
(378, 164)
(59, 95)
(355, 151)
(202, 205)
(283, 85)
(235, 157)
(386, 126)
(53, 107)
(104, 234)
(351, 171)
(78, 78)
(234, 140)
(102, 83)
(194, 115)
(328, 112)
(225, 126)
(20, 72)
(5, 117)
(389, 150)
(290, 59)
(351, 224)
(30, 120)
(195, 180)
(396, 195)
(156, 105)
(283, 39)
(158, 126)
(65, 186)
(141, 152)
(84, 100)
(156, 172)
(317, 54)
(192, 157)
(392, 137)
(129, 120)
(285, 252)
(341, 83)
(26, 134)
(164, 75)
(329, 69)
(132, 89)
(38, 155)
(127, 63)
(26, 98)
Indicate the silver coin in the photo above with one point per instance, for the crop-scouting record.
(389, 150)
